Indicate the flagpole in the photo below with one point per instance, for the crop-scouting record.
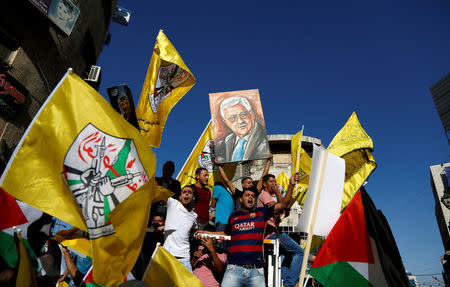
(192, 151)
(151, 260)
(297, 164)
(313, 217)
(11, 159)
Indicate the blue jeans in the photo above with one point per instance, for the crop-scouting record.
(237, 276)
(186, 263)
(290, 275)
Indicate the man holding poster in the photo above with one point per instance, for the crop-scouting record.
(238, 128)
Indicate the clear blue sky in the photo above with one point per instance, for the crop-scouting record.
(314, 64)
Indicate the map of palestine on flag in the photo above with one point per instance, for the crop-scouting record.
(82, 162)
(167, 80)
(360, 250)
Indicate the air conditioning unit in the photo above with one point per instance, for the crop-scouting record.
(94, 73)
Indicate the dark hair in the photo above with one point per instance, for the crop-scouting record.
(219, 183)
(199, 170)
(194, 190)
(191, 186)
(246, 177)
(169, 167)
(160, 214)
(267, 176)
(250, 189)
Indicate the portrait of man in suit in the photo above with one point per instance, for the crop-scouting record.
(243, 131)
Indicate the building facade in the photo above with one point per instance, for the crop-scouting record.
(439, 178)
(39, 41)
(441, 97)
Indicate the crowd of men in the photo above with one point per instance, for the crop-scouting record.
(192, 225)
(185, 225)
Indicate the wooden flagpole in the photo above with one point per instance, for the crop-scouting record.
(151, 260)
(313, 217)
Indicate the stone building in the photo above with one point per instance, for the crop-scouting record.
(39, 41)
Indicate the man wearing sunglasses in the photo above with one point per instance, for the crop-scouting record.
(247, 139)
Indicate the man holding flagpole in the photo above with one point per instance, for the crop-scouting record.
(289, 276)
(246, 227)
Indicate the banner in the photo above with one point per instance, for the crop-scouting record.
(167, 80)
(122, 101)
(325, 193)
(238, 126)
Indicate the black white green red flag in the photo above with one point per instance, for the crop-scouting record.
(15, 215)
(360, 250)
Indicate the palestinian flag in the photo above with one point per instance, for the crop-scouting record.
(360, 250)
(18, 214)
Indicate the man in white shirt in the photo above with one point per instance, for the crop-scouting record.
(181, 221)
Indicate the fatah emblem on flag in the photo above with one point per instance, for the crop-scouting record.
(101, 171)
(167, 80)
(205, 159)
(169, 77)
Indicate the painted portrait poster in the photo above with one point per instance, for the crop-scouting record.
(239, 129)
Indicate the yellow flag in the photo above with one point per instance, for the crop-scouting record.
(167, 80)
(304, 170)
(73, 239)
(201, 156)
(283, 180)
(295, 144)
(164, 270)
(354, 145)
(80, 161)
(25, 272)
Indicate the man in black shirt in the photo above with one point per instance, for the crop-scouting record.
(246, 182)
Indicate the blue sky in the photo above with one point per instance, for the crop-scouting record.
(314, 64)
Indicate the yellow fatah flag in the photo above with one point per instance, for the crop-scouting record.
(25, 272)
(167, 80)
(73, 239)
(201, 156)
(164, 270)
(283, 180)
(296, 142)
(304, 169)
(82, 162)
(354, 145)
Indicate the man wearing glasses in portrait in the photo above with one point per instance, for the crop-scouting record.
(247, 139)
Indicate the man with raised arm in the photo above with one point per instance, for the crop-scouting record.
(181, 221)
(246, 182)
(246, 227)
(204, 204)
(270, 196)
